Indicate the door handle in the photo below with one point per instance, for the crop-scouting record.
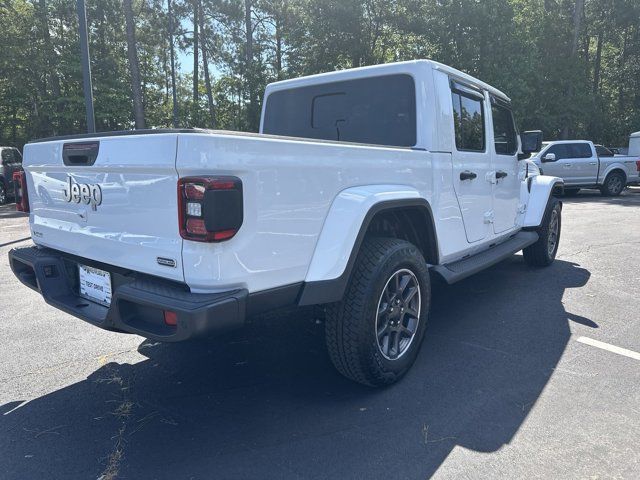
(467, 175)
(500, 174)
(593, 163)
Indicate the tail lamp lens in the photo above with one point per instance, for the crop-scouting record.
(210, 208)
(20, 189)
(170, 318)
(638, 165)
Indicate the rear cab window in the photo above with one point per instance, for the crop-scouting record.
(8, 157)
(373, 110)
(603, 151)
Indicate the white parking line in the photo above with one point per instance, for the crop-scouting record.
(609, 347)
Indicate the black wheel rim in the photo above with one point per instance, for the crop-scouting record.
(3, 195)
(554, 230)
(398, 314)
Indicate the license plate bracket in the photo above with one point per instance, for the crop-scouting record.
(95, 284)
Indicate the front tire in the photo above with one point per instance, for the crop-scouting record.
(613, 185)
(543, 252)
(374, 334)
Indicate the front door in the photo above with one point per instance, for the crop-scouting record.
(506, 190)
(472, 167)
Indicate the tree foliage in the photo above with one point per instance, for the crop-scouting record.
(571, 67)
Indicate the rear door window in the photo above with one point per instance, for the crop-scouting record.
(504, 129)
(579, 150)
(375, 110)
(468, 119)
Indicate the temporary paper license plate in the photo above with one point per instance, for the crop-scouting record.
(95, 285)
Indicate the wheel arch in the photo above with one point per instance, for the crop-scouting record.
(397, 213)
(616, 167)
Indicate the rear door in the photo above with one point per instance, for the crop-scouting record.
(472, 167)
(506, 190)
(110, 199)
(583, 163)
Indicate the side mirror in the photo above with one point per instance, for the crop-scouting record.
(549, 157)
(531, 141)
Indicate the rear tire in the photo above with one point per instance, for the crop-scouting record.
(571, 192)
(3, 193)
(374, 334)
(543, 252)
(613, 185)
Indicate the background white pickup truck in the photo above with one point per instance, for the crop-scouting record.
(403, 168)
(579, 164)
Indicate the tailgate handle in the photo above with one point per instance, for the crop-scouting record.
(74, 154)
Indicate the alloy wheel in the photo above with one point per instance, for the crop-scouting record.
(615, 184)
(554, 227)
(398, 314)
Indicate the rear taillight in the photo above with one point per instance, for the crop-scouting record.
(170, 318)
(210, 209)
(638, 165)
(20, 191)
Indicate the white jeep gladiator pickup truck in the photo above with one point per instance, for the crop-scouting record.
(360, 183)
(581, 164)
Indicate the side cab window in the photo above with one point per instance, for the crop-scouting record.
(468, 118)
(560, 150)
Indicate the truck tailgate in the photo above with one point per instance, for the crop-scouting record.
(120, 209)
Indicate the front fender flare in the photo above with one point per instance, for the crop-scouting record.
(541, 189)
(342, 233)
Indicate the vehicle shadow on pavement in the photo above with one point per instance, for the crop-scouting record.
(266, 403)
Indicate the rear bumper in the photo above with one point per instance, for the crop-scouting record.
(138, 301)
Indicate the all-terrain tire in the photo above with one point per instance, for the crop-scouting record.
(614, 184)
(352, 330)
(543, 252)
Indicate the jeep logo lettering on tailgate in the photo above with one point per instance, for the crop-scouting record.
(86, 193)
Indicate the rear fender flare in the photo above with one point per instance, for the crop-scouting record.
(343, 232)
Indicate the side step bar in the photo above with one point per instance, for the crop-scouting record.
(456, 271)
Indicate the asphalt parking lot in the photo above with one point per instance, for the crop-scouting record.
(511, 382)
